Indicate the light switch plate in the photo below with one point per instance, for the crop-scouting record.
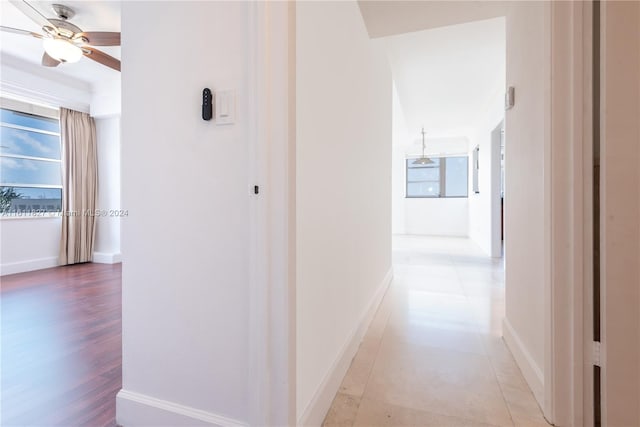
(225, 107)
(510, 98)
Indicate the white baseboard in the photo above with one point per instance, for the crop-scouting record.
(30, 265)
(135, 409)
(530, 369)
(319, 405)
(107, 258)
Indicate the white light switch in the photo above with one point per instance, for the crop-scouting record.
(225, 107)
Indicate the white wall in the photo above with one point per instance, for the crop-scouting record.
(400, 138)
(106, 107)
(185, 243)
(484, 207)
(343, 144)
(437, 217)
(29, 243)
(526, 133)
(107, 244)
(106, 97)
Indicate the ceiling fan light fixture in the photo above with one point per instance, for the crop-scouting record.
(62, 50)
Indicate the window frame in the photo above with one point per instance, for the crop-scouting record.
(442, 171)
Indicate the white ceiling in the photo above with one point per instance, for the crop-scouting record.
(90, 16)
(446, 77)
(390, 17)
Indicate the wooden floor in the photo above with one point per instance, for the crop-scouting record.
(61, 346)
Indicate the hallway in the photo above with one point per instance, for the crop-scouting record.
(433, 355)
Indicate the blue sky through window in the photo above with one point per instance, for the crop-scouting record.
(34, 144)
(29, 120)
(24, 171)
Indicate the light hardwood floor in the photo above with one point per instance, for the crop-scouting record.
(433, 355)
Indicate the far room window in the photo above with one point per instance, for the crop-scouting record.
(30, 166)
(445, 177)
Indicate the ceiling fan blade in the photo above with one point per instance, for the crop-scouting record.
(48, 61)
(101, 57)
(100, 38)
(32, 13)
(18, 31)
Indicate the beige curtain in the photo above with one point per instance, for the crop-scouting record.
(79, 186)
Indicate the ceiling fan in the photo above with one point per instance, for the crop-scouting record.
(65, 42)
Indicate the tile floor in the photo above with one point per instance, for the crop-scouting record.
(433, 355)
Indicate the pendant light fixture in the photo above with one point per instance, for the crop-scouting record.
(423, 160)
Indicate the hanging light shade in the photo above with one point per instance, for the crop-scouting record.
(423, 160)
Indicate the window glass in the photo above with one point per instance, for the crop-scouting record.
(30, 166)
(28, 143)
(423, 189)
(444, 177)
(456, 177)
(423, 174)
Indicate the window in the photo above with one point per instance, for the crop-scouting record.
(30, 166)
(445, 177)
